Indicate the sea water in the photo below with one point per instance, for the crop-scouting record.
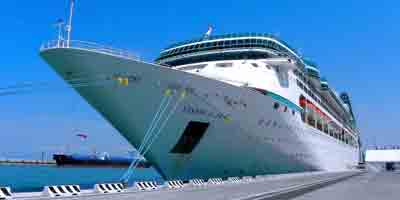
(30, 178)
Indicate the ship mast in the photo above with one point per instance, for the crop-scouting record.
(69, 25)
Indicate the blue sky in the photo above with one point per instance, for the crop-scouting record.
(355, 44)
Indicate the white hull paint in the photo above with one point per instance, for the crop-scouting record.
(256, 140)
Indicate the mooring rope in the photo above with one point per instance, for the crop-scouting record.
(153, 137)
(161, 109)
(80, 82)
(183, 95)
(150, 131)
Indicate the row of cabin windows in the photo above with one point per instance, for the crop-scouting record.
(313, 96)
(318, 125)
(217, 56)
(305, 80)
(325, 128)
(231, 35)
(222, 65)
(311, 91)
(301, 76)
(250, 43)
(308, 91)
(316, 99)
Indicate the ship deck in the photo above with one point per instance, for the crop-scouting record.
(343, 185)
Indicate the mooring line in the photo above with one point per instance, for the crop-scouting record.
(149, 133)
(165, 122)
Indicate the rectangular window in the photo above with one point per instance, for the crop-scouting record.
(192, 135)
(192, 67)
(224, 64)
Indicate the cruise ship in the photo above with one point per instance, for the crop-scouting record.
(216, 106)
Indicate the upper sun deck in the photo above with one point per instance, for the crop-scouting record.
(227, 43)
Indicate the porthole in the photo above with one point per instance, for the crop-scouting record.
(276, 105)
(293, 112)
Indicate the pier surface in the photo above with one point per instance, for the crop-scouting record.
(341, 185)
(369, 186)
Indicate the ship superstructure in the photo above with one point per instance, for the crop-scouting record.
(218, 106)
(322, 107)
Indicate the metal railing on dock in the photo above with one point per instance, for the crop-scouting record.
(76, 44)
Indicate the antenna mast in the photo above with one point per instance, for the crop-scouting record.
(69, 26)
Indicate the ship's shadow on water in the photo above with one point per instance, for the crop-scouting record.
(29, 178)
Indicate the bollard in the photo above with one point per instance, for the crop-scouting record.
(5, 193)
(146, 185)
(61, 190)
(197, 182)
(175, 184)
(109, 188)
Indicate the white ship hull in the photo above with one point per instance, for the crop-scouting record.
(246, 136)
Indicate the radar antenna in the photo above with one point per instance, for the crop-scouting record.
(208, 33)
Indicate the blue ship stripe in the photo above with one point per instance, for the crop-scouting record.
(285, 101)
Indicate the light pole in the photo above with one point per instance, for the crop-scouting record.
(60, 25)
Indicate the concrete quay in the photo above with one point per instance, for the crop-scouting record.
(368, 186)
(285, 186)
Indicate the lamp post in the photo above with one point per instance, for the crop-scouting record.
(60, 25)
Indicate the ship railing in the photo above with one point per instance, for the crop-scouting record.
(183, 55)
(76, 44)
